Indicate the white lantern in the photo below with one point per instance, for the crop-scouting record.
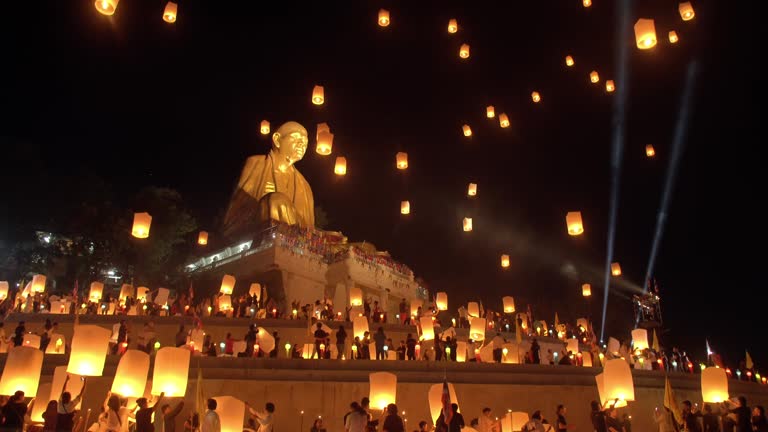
(461, 351)
(415, 305)
(453, 26)
(617, 383)
(640, 339)
(645, 34)
(573, 221)
(435, 399)
(613, 346)
(359, 326)
(472, 189)
(171, 372)
(324, 143)
(477, 329)
(427, 328)
(141, 293)
(383, 389)
(466, 130)
(227, 284)
(405, 207)
(586, 359)
(318, 95)
(586, 290)
(42, 397)
(355, 296)
(170, 12)
(686, 11)
(264, 129)
(615, 269)
(22, 371)
(441, 301)
(401, 160)
(3, 290)
(126, 291)
(573, 346)
(38, 283)
(341, 166)
(131, 375)
(31, 340)
(255, 290)
(89, 350)
(464, 51)
(106, 7)
(473, 309)
(231, 413)
(514, 421)
(97, 290)
(714, 385)
(490, 111)
(141, 224)
(467, 224)
(509, 304)
(225, 303)
(503, 120)
(383, 17)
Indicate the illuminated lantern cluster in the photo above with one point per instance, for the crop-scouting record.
(504, 261)
(383, 17)
(131, 375)
(472, 189)
(610, 86)
(650, 151)
(38, 283)
(324, 139)
(441, 301)
(141, 224)
(383, 389)
(106, 7)
(536, 97)
(645, 33)
(686, 11)
(341, 166)
(569, 61)
(170, 12)
(453, 26)
(401, 160)
(171, 371)
(264, 127)
(464, 51)
(89, 350)
(673, 36)
(574, 223)
(594, 77)
(490, 111)
(467, 224)
(22, 371)
(586, 290)
(466, 130)
(509, 304)
(227, 284)
(503, 120)
(202, 238)
(615, 269)
(405, 207)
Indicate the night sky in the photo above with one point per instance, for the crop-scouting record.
(136, 102)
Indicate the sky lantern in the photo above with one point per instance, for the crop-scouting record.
(141, 293)
(586, 290)
(225, 303)
(640, 339)
(38, 408)
(359, 326)
(572, 345)
(574, 223)
(321, 127)
(594, 77)
(89, 350)
(503, 120)
(673, 36)
(22, 371)
(405, 207)
(650, 151)
(536, 97)
(453, 26)
(383, 389)
(415, 305)
(464, 51)
(472, 189)
(355, 296)
(569, 61)
(435, 397)
(467, 224)
(227, 284)
(504, 261)
(38, 283)
(255, 290)
(509, 304)
(401, 160)
(126, 290)
(477, 329)
(610, 86)
(467, 130)
(586, 3)
(141, 223)
(427, 328)
(461, 351)
(473, 309)
(231, 411)
(341, 166)
(324, 143)
(169, 14)
(318, 95)
(131, 375)
(490, 111)
(264, 127)
(171, 371)
(441, 301)
(383, 17)
(645, 33)
(202, 238)
(714, 385)
(615, 269)
(3, 289)
(514, 421)
(617, 383)
(96, 291)
(106, 7)
(685, 8)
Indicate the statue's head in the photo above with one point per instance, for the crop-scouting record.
(290, 142)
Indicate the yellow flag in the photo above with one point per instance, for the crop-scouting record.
(750, 365)
(656, 347)
(670, 401)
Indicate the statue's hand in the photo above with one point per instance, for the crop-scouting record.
(269, 187)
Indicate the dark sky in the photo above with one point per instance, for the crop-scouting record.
(137, 102)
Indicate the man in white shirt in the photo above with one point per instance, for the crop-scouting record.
(486, 423)
(356, 420)
(265, 419)
(211, 421)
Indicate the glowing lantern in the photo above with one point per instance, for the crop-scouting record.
(43, 394)
(359, 326)
(383, 17)
(427, 328)
(383, 389)
(255, 290)
(467, 130)
(125, 291)
(31, 340)
(616, 383)
(586, 290)
(169, 14)
(673, 37)
(650, 151)
(509, 304)
(141, 293)
(231, 413)
(477, 329)
(536, 97)
(685, 8)
(22, 371)
(574, 223)
(355, 296)
(405, 207)
(505, 261)
(318, 95)
(171, 370)
(572, 345)
(615, 269)
(131, 375)
(322, 127)
(503, 120)
(264, 127)
(613, 346)
(514, 421)
(441, 300)
(141, 223)
(324, 143)
(472, 189)
(435, 396)
(38, 283)
(202, 238)
(714, 385)
(594, 77)
(467, 224)
(3, 289)
(461, 351)
(97, 290)
(490, 111)
(645, 34)
(225, 303)
(415, 305)
(227, 284)
(473, 309)
(586, 3)
(569, 61)
(89, 350)
(341, 166)
(401, 160)
(640, 339)
(464, 51)
(586, 359)
(106, 7)
(453, 26)
(610, 86)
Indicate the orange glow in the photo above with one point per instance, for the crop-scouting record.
(383, 17)
(686, 11)
(467, 130)
(503, 120)
(227, 284)
(615, 269)
(505, 263)
(453, 26)
(467, 224)
(401, 160)
(324, 143)
(609, 86)
(106, 7)
(202, 238)
(169, 15)
(574, 223)
(673, 37)
(645, 34)
(569, 61)
(318, 95)
(264, 129)
(586, 290)
(536, 97)
(141, 224)
(464, 51)
(490, 111)
(650, 151)
(341, 166)
(594, 77)
(586, 3)
(405, 207)
(472, 189)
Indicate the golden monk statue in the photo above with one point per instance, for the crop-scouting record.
(271, 188)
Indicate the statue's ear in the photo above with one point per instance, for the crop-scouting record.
(276, 140)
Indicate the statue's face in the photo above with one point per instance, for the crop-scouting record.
(292, 144)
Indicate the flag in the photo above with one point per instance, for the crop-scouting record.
(656, 346)
(445, 399)
(709, 350)
(191, 291)
(750, 365)
(200, 402)
(670, 401)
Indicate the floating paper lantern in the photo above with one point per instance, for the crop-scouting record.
(686, 11)
(473, 309)
(141, 293)
(477, 329)
(383, 389)
(586, 359)
(125, 291)
(97, 290)
(472, 189)
(441, 300)
(415, 305)
(610, 86)
(231, 413)
(56, 345)
(714, 385)
(22, 371)
(264, 128)
(467, 224)
(3, 289)
(505, 261)
(38, 283)
(359, 326)
(141, 223)
(405, 207)
(202, 238)
(383, 17)
(225, 303)
(613, 346)
(569, 61)
(650, 151)
(131, 375)
(503, 120)
(52, 391)
(461, 351)
(466, 130)
(645, 34)
(43, 395)
(169, 14)
(514, 421)
(453, 26)
(324, 143)
(574, 223)
(427, 328)
(318, 95)
(106, 7)
(586, 3)
(341, 166)
(322, 127)
(615, 269)
(583, 323)
(640, 339)
(617, 383)
(227, 284)
(536, 97)
(89, 350)
(171, 371)
(464, 51)
(509, 304)
(586, 290)
(673, 37)
(401, 160)
(31, 340)
(594, 77)
(572, 345)
(255, 290)
(355, 296)
(435, 396)
(490, 111)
